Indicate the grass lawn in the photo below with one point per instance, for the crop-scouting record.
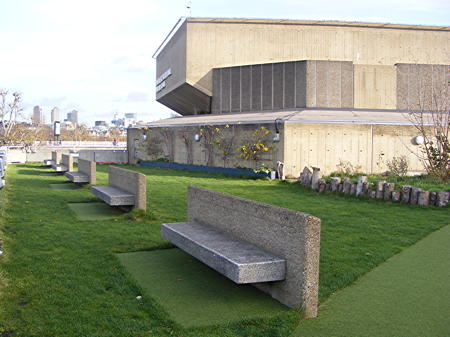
(61, 276)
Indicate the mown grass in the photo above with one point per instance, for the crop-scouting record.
(63, 279)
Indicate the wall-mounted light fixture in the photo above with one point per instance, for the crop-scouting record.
(197, 137)
(418, 140)
(278, 122)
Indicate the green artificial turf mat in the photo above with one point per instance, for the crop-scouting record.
(94, 211)
(49, 174)
(64, 186)
(193, 294)
(407, 296)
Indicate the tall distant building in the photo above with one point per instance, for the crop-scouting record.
(73, 116)
(55, 115)
(131, 115)
(38, 117)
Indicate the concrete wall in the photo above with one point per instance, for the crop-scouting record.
(105, 156)
(422, 86)
(289, 234)
(218, 43)
(89, 168)
(367, 147)
(130, 181)
(178, 94)
(288, 85)
(183, 149)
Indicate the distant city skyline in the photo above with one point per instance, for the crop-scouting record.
(105, 65)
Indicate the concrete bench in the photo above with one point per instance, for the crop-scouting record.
(275, 249)
(65, 165)
(125, 188)
(86, 173)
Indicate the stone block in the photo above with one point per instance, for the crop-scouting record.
(414, 195)
(423, 198)
(365, 188)
(353, 188)
(335, 181)
(433, 197)
(321, 185)
(305, 177)
(406, 193)
(442, 198)
(388, 188)
(238, 260)
(360, 185)
(396, 195)
(372, 194)
(347, 185)
(315, 178)
(380, 189)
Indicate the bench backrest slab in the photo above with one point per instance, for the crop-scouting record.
(89, 168)
(56, 157)
(67, 161)
(130, 181)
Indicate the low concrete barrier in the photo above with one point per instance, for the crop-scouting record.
(105, 156)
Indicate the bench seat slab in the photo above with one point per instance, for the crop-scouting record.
(48, 162)
(77, 177)
(59, 168)
(113, 196)
(240, 261)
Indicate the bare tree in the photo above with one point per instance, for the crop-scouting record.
(9, 113)
(431, 118)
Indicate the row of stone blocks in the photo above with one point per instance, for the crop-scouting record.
(383, 190)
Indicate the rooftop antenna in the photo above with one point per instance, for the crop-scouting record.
(188, 8)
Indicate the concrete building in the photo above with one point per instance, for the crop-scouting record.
(336, 92)
(55, 115)
(73, 117)
(38, 116)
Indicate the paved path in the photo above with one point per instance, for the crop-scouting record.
(407, 296)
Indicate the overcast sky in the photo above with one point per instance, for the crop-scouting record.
(96, 55)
